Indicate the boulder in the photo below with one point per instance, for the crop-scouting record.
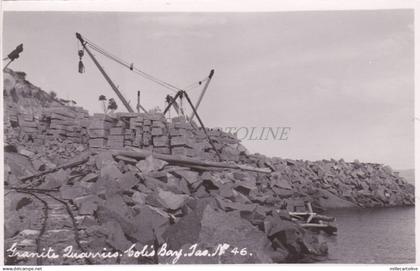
(111, 171)
(228, 205)
(245, 186)
(70, 192)
(150, 224)
(90, 177)
(14, 201)
(174, 184)
(115, 235)
(87, 205)
(127, 180)
(283, 193)
(185, 231)
(38, 165)
(190, 176)
(275, 225)
(279, 181)
(55, 179)
(218, 227)
(286, 236)
(139, 197)
(328, 200)
(226, 191)
(150, 164)
(25, 152)
(171, 200)
(114, 208)
(106, 187)
(104, 158)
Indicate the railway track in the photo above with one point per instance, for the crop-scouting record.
(56, 229)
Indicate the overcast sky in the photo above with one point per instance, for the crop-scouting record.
(342, 80)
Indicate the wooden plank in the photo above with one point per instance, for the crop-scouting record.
(64, 166)
(142, 154)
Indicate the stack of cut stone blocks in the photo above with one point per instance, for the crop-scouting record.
(61, 122)
(98, 130)
(159, 133)
(148, 131)
(116, 136)
(65, 123)
(180, 132)
(136, 128)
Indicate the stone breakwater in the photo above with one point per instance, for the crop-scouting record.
(68, 183)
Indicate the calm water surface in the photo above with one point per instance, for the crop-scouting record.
(385, 235)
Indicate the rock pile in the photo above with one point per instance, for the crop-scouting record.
(85, 181)
(336, 183)
(117, 202)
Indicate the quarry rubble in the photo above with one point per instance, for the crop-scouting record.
(113, 181)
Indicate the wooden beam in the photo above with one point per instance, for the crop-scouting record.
(64, 166)
(142, 154)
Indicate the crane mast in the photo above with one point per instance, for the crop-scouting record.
(107, 78)
(87, 45)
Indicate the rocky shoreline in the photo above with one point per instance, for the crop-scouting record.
(70, 181)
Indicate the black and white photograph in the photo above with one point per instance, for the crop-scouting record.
(138, 138)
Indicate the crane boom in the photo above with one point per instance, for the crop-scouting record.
(202, 93)
(107, 78)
